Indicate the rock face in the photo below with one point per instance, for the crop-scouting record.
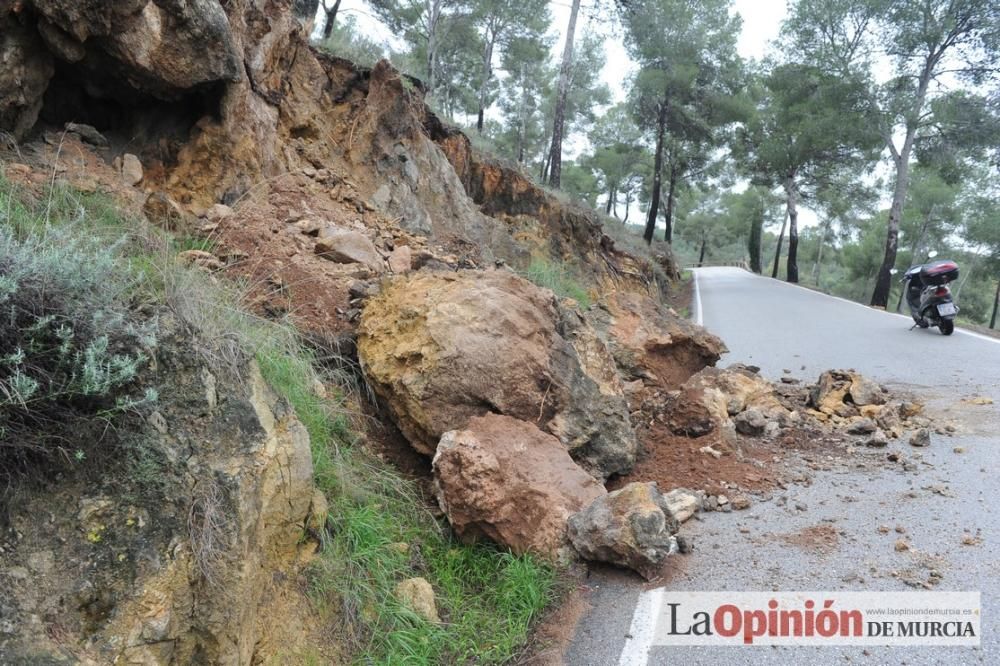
(441, 348)
(25, 70)
(631, 527)
(181, 571)
(508, 481)
(652, 343)
(162, 49)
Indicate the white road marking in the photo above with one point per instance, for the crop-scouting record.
(697, 299)
(971, 334)
(642, 632)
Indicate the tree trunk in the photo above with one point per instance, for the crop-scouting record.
(523, 117)
(777, 252)
(628, 205)
(331, 18)
(883, 283)
(433, 18)
(704, 242)
(668, 233)
(792, 265)
(611, 198)
(824, 230)
(545, 167)
(654, 203)
(754, 240)
(559, 121)
(996, 302)
(487, 74)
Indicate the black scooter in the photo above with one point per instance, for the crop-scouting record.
(929, 297)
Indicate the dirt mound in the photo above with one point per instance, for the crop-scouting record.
(700, 436)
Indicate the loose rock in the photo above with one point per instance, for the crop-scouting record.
(131, 169)
(347, 247)
(418, 595)
(631, 527)
(508, 481)
(751, 422)
(682, 503)
(921, 438)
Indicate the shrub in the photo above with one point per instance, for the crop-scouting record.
(69, 344)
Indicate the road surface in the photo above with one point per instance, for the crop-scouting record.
(780, 327)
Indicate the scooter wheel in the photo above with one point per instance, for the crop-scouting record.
(947, 327)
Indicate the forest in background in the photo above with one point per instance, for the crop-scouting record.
(881, 117)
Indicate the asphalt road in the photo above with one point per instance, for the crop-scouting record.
(780, 328)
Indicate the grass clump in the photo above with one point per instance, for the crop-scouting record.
(557, 278)
(379, 536)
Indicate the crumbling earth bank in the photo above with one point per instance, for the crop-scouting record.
(181, 548)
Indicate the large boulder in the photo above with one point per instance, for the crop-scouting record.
(631, 527)
(651, 342)
(506, 480)
(713, 396)
(441, 348)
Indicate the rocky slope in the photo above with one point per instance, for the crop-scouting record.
(343, 202)
(174, 551)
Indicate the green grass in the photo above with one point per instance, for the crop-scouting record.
(557, 278)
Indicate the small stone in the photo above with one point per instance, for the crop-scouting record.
(901, 545)
(723, 500)
(682, 503)
(878, 440)
(418, 595)
(218, 212)
(88, 134)
(979, 400)
(751, 422)
(200, 259)
(900, 529)
(959, 449)
(970, 540)
(684, 544)
(883, 529)
(790, 380)
(131, 169)
(710, 451)
(921, 438)
(801, 506)
(401, 260)
(741, 502)
(862, 426)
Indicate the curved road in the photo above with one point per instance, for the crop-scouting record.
(781, 327)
